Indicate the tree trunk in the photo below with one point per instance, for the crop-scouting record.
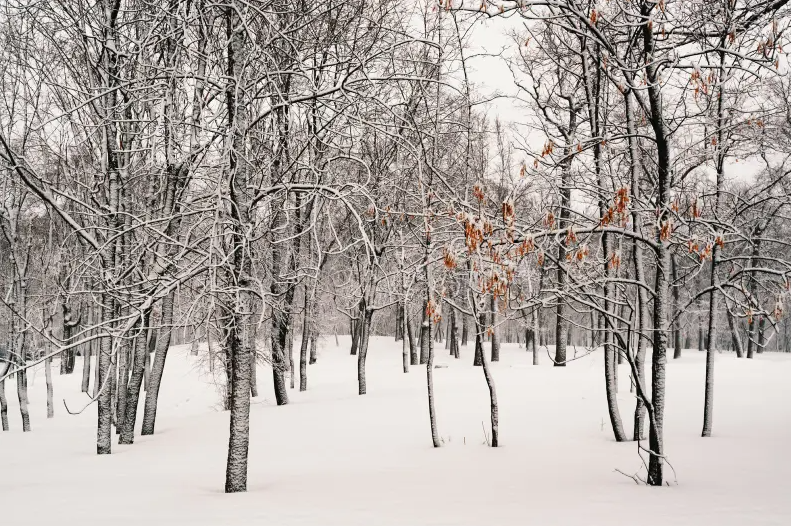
(3, 405)
(158, 368)
(495, 330)
(676, 307)
(86, 365)
(239, 436)
(303, 345)
(736, 339)
(413, 354)
(355, 336)
(478, 358)
(122, 383)
(432, 415)
(494, 413)
(464, 330)
(762, 335)
(424, 333)
(290, 351)
(454, 334)
(362, 352)
(135, 383)
(314, 343)
(106, 387)
(406, 338)
(701, 341)
(48, 375)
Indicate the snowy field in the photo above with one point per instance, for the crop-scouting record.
(332, 457)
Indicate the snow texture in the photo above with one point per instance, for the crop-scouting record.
(331, 457)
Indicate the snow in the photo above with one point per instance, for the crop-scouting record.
(332, 457)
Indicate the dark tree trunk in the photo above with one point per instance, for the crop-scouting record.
(478, 358)
(464, 330)
(424, 334)
(413, 354)
(3, 405)
(399, 322)
(365, 334)
(405, 339)
(762, 335)
(48, 376)
(356, 326)
(303, 346)
(495, 330)
(135, 384)
(432, 414)
(290, 351)
(314, 344)
(86, 367)
(736, 340)
(676, 307)
(158, 368)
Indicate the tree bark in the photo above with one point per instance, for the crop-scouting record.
(3, 406)
(736, 340)
(413, 354)
(495, 331)
(48, 375)
(135, 383)
(406, 338)
(362, 352)
(303, 346)
(158, 368)
(432, 414)
(676, 306)
(424, 333)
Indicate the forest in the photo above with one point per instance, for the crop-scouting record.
(258, 181)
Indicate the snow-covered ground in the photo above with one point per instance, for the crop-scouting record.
(332, 457)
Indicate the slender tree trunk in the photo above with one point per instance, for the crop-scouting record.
(48, 375)
(303, 346)
(86, 364)
(314, 343)
(493, 407)
(290, 350)
(135, 383)
(736, 339)
(362, 352)
(158, 369)
(355, 336)
(676, 306)
(3, 405)
(701, 340)
(122, 383)
(495, 330)
(762, 335)
(106, 387)
(20, 339)
(478, 358)
(413, 354)
(424, 332)
(432, 414)
(454, 334)
(406, 339)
